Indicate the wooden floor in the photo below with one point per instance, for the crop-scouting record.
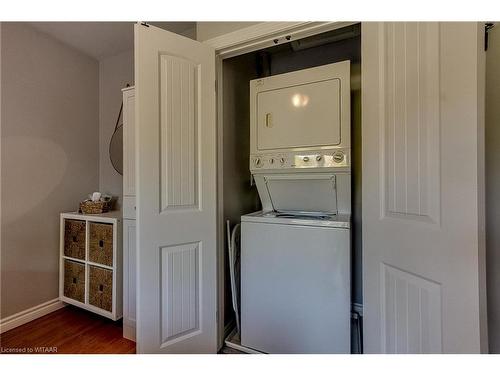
(69, 330)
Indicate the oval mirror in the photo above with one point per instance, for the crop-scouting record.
(116, 149)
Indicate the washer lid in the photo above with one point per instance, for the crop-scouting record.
(299, 193)
(332, 221)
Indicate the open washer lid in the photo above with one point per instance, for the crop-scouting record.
(333, 221)
(300, 193)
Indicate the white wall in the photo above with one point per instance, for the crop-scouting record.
(114, 74)
(49, 157)
(209, 30)
(493, 187)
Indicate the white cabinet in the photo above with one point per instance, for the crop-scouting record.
(128, 142)
(129, 207)
(129, 227)
(90, 274)
(129, 277)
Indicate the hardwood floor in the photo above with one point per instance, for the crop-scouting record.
(69, 330)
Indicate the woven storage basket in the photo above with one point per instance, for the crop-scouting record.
(74, 239)
(74, 280)
(101, 243)
(101, 288)
(89, 207)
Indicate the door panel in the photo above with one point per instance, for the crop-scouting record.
(176, 187)
(180, 296)
(411, 312)
(422, 211)
(410, 130)
(179, 130)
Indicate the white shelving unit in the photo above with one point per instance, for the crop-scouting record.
(114, 219)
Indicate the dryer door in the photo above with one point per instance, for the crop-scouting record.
(299, 116)
(302, 110)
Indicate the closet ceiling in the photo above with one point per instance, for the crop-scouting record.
(102, 39)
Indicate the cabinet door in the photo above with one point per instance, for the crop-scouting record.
(129, 278)
(129, 142)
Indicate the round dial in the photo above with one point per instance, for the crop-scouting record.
(338, 157)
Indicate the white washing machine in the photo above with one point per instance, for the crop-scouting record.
(295, 283)
(295, 254)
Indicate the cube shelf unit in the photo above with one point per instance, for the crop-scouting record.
(90, 271)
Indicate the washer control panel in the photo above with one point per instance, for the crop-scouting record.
(338, 158)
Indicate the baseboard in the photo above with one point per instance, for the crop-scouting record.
(30, 314)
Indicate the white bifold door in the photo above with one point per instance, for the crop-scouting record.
(176, 193)
(423, 188)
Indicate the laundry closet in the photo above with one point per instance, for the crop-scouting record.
(227, 136)
(300, 166)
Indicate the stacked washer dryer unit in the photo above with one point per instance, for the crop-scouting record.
(295, 253)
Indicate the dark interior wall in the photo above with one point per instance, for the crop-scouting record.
(239, 196)
(284, 59)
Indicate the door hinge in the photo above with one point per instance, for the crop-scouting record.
(216, 86)
(487, 27)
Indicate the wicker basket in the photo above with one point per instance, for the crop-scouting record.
(101, 288)
(101, 243)
(74, 280)
(74, 238)
(90, 207)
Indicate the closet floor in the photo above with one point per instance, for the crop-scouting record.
(69, 330)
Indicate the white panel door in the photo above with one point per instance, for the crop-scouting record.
(176, 193)
(423, 208)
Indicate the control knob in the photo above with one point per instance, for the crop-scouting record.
(257, 162)
(338, 157)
